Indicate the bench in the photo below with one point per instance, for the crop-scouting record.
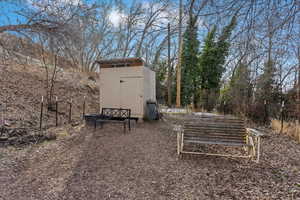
(114, 115)
(217, 130)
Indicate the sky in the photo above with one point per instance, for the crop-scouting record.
(9, 7)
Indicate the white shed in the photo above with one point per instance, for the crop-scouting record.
(126, 83)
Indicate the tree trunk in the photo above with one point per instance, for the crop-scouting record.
(169, 69)
(298, 95)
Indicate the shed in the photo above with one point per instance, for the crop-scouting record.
(126, 83)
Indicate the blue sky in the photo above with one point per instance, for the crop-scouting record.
(7, 15)
(9, 7)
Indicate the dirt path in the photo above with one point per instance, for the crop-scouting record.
(143, 164)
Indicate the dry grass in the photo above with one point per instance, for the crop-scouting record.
(289, 128)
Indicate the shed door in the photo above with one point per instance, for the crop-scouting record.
(131, 94)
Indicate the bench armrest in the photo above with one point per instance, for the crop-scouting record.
(256, 135)
(254, 132)
(177, 128)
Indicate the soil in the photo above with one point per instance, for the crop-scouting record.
(21, 90)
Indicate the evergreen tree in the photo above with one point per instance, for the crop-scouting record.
(266, 92)
(161, 90)
(211, 63)
(240, 90)
(223, 45)
(207, 61)
(190, 67)
(265, 84)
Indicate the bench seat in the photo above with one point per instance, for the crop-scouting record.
(214, 130)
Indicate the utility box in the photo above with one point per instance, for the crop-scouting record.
(126, 83)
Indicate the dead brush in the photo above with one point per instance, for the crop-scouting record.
(288, 128)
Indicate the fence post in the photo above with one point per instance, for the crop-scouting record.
(266, 112)
(70, 111)
(282, 107)
(56, 111)
(83, 112)
(297, 134)
(41, 114)
(2, 120)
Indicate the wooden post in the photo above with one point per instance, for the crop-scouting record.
(178, 71)
(41, 114)
(56, 111)
(297, 130)
(169, 69)
(282, 106)
(70, 111)
(83, 109)
(2, 110)
(266, 111)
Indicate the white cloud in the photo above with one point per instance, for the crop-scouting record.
(116, 17)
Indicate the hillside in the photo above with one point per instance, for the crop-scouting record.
(25, 50)
(22, 87)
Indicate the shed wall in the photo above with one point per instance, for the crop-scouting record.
(122, 87)
(149, 85)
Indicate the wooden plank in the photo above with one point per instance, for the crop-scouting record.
(225, 118)
(215, 154)
(216, 116)
(215, 131)
(214, 122)
(228, 140)
(211, 129)
(216, 142)
(215, 135)
(196, 132)
(211, 122)
(214, 127)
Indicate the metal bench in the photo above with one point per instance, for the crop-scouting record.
(114, 115)
(217, 130)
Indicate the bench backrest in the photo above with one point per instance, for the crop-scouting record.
(216, 129)
(116, 112)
